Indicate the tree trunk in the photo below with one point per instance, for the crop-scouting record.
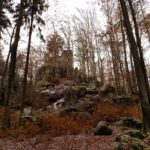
(27, 65)
(138, 68)
(115, 64)
(12, 68)
(139, 46)
(128, 77)
(7, 60)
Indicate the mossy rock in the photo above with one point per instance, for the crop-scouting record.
(70, 96)
(131, 139)
(81, 91)
(135, 133)
(133, 144)
(137, 144)
(121, 146)
(123, 138)
(105, 90)
(103, 131)
(85, 104)
(133, 123)
(103, 128)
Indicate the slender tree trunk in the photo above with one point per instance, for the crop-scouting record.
(134, 79)
(138, 68)
(27, 64)
(7, 60)
(139, 46)
(128, 77)
(12, 68)
(102, 71)
(115, 65)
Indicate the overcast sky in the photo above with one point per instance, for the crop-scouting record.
(72, 4)
(67, 8)
(59, 8)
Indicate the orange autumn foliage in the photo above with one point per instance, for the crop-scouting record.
(112, 112)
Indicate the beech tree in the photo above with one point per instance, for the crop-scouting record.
(138, 40)
(140, 74)
(35, 9)
(85, 39)
(12, 64)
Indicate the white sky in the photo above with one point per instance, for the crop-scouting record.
(72, 4)
(58, 8)
(67, 8)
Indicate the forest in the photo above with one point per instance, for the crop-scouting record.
(75, 82)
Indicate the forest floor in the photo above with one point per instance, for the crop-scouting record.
(31, 137)
(53, 131)
(65, 142)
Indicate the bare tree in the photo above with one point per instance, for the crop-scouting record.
(140, 74)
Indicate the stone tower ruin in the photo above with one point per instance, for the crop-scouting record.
(66, 63)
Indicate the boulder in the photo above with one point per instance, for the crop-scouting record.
(121, 146)
(81, 91)
(27, 111)
(58, 104)
(123, 138)
(132, 139)
(103, 128)
(138, 145)
(86, 105)
(128, 142)
(134, 133)
(70, 96)
(105, 90)
(46, 91)
(54, 97)
(27, 114)
(132, 123)
(124, 100)
(92, 91)
(27, 118)
(49, 108)
(133, 144)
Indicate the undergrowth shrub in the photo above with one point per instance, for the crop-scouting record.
(112, 112)
(57, 125)
(52, 125)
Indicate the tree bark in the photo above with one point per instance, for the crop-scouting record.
(139, 46)
(128, 77)
(138, 68)
(7, 60)
(12, 67)
(27, 64)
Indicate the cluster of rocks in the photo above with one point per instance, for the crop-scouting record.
(132, 139)
(78, 101)
(70, 98)
(131, 136)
